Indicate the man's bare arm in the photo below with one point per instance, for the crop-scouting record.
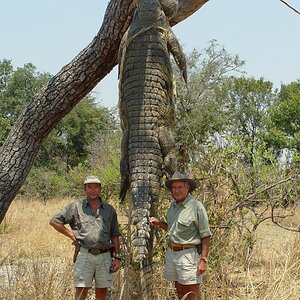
(63, 230)
(156, 222)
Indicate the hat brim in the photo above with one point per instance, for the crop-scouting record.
(92, 181)
(190, 182)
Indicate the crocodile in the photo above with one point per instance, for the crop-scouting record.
(147, 114)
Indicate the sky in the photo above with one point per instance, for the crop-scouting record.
(50, 33)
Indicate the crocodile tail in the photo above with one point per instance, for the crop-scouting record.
(141, 235)
(146, 276)
(142, 249)
(144, 195)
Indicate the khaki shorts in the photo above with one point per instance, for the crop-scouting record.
(182, 265)
(88, 267)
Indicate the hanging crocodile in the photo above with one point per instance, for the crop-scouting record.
(147, 113)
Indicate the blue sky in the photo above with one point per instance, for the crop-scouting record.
(49, 33)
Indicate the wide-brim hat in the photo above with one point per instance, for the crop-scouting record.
(91, 179)
(183, 177)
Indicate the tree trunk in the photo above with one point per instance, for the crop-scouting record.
(63, 92)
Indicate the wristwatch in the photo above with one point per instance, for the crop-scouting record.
(203, 258)
(117, 256)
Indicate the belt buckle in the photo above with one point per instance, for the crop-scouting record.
(95, 251)
(175, 247)
(178, 248)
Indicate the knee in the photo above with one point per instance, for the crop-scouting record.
(81, 293)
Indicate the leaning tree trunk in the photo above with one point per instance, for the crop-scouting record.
(57, 98)
(63, 92)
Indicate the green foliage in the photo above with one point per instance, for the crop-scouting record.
(69, 142)
(4, 129)
(246, 101)
(107, 161)
(284, 126)
(103, 161)
(58, 180)
(84, 143)
(216, 105)
(76, 176)
(44, 183)
(199, 112)
(17, 88)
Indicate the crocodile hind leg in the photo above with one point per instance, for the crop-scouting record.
(124, 166)
(167, 144)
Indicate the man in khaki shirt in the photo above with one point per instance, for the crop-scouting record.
(94, 232)
(188, 237)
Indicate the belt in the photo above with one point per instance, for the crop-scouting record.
(94, 251)
(179, 247)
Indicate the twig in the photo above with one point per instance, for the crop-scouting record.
(288, 5)
(187, 294)
(281, 226)
(253, 195)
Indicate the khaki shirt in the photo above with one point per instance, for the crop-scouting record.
(187, 222)
(93, 230)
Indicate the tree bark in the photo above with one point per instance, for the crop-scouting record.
(72, 83)
(186, 9)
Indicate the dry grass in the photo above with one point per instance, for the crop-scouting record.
(36, 262)
(28, 233)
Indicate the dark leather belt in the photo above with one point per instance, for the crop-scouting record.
(94, 251)
(180, 247)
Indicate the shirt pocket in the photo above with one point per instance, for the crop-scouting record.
(185, 227)
(185, 222)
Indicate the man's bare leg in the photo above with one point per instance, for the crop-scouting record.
(101, 293)
(191, 289)
(81, 293)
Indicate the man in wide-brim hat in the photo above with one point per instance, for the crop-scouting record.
(188, 237)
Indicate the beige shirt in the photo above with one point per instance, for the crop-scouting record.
(187, 222)
(93, 230)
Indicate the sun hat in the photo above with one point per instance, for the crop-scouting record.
(91, 179)
(180, 176)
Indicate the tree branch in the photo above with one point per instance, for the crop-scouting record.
(253, 195)
(291, 7)
(282, 217)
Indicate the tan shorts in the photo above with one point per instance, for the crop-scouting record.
(88, 267)
(182, 266)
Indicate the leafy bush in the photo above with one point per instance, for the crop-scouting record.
(43, 183)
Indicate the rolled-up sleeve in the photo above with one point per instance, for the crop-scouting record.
(203, 223)
(115, 231)
(65, 216)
